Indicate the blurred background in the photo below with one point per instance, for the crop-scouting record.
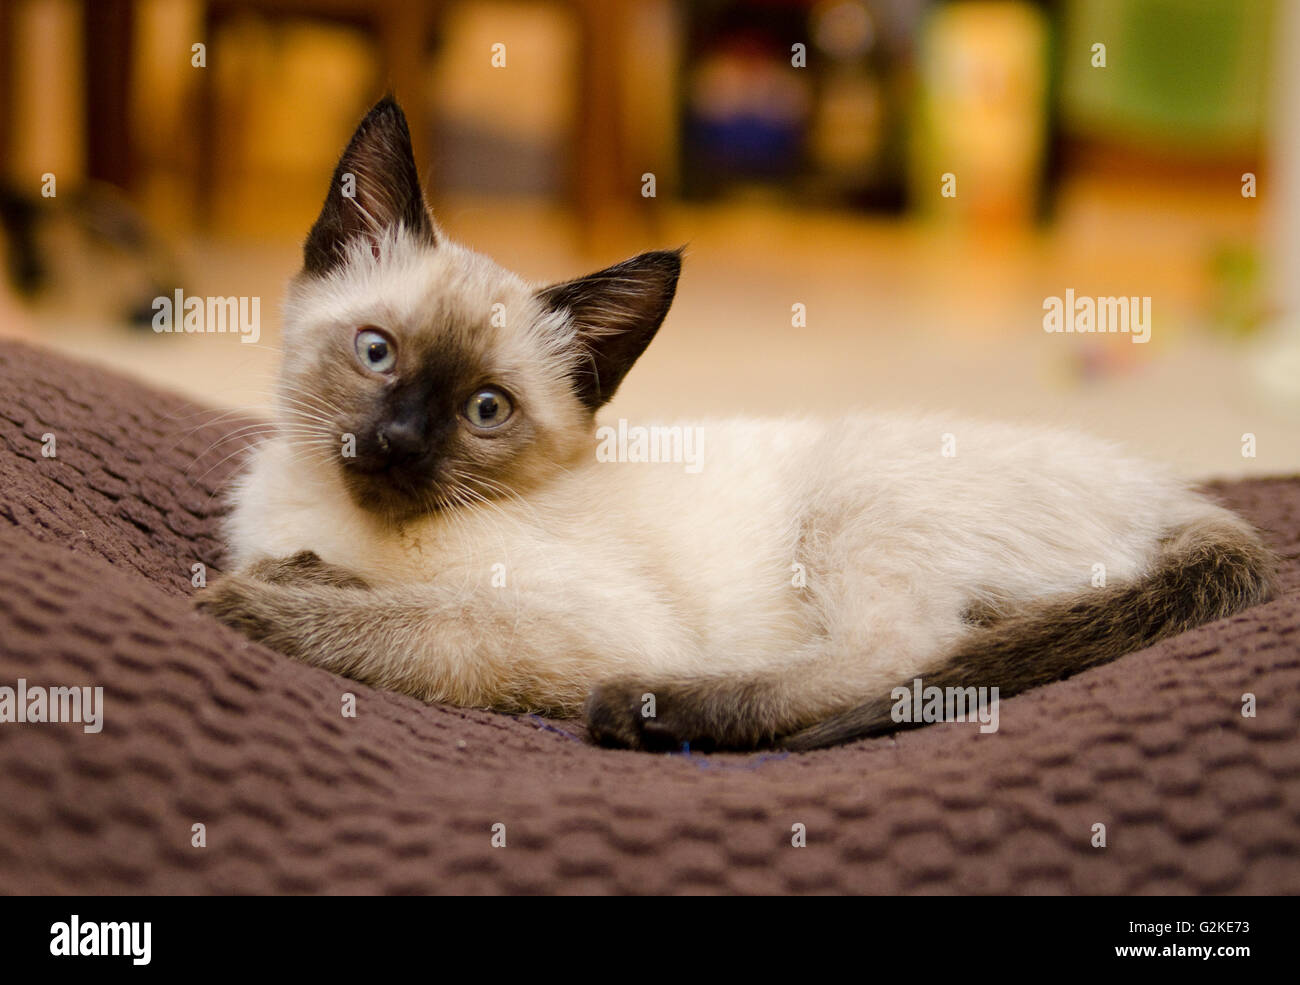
(878, 195)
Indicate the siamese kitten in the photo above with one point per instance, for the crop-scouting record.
(432, 516)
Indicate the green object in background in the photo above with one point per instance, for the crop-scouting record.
(1237, 307)
(1189, 75)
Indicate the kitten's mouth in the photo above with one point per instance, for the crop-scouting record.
(397, 492)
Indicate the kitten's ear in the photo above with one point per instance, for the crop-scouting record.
(375, 187)
(616, 311)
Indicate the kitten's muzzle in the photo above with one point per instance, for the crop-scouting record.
(401, 442)
(398, 450)
(394, 474)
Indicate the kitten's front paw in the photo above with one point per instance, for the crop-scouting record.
(305, 566)
(237, 600)
(701, 716)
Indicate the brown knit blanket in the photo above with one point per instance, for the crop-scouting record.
(201, 727)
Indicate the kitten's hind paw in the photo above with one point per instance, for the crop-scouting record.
(613, 713)
(702, 716)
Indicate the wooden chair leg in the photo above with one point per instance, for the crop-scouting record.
(205, 170)
(605, 184)
(108, 45)
(8, 85)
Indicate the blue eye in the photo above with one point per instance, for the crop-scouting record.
(488, 408)
(376, 350)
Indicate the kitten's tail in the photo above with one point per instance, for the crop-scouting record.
(1206, 571)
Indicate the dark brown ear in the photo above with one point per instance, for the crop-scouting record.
(375, 187)
(617, 311)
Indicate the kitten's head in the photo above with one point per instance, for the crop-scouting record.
(426, 374)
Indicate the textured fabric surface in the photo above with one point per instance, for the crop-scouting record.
(202, 727)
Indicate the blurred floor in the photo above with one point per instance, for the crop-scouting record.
(896, 317)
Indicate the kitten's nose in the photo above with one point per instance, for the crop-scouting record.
(400, 441)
